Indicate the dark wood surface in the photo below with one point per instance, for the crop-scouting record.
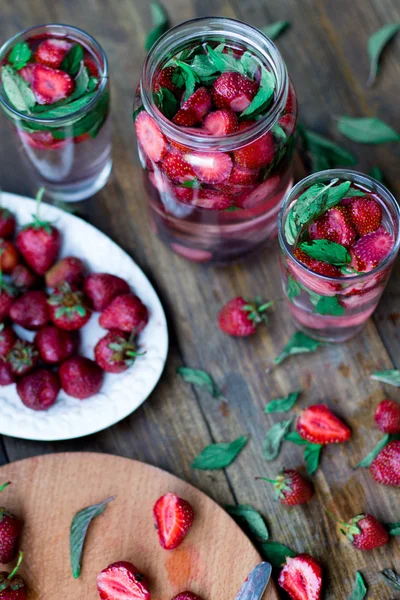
(325, 51)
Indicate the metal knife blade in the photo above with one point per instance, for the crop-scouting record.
(256, 583)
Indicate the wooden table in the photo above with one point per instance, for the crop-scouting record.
(325, 51)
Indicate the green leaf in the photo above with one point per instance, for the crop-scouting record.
(322, 148)
(72, 60)
(376, 173)
(275, 553)
(282, 404)
(17, 90)
(248, 65)
(312, 456)
(330, 252)
(291, 229)
(391, 578)
(252, 518)
(274, 30)
(329, 305)
(354, 193)
(137, 112)
(299, 343)
(68, 109)
(200, 378)
(204, 66)
(360, 589)
(367, 130)
(376, 45)
(188, 76)
(273, 440)
(393, 528)
(293, 289)
(264, 94)
(279, 133)
(20, 55)
(219, 456)
(223, 62)
(392, 377)
(160, 22)
(166, 102)
(92, 84)
(370, 457)
(295, 438)
(79, 526)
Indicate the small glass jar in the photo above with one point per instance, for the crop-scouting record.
(354, 296)
(219, 221)
(69, 154)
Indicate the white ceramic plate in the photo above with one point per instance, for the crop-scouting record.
(121, 394)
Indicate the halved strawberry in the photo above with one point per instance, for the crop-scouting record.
(51, 85)
(177, 168)
(184, 194)
(173, 518)
(374, 247)
(319, 425)
(242, 176)
(211, 200)
(122, 581)
(365, 214)
(210, 167)
(164, 80)
(27, 72)
(301, 578)
(220, 122)
(257, 154)
(233, 91)
(334, 225)
(150, 138)
(194, 109)
(52, 51)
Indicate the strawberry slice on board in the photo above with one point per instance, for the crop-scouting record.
(301, 578)
(50, 85)
(52, 51)
(318, 425)
(122, 581)
(150, 137)
(210, 167)
(173, 518)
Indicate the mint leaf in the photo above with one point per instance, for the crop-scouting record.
(160, 22)
(391, 578)
(376, 173)
(279, 133)
(376, 45)
(354, 193)
(327, 251)
(295, 438)
(273, 440)
(299, 343)
(67, 109)
(71, 62)
(324, 153)
(264, 94)
(199, 378)
(293, 289)
(275, 553)
(251, 518)
(312, 456)
(204, 66)
(185, 75)
(248, 65)
(360, 589)
(20, 55)
(223, 62)
(282, 404)
(79, 526)
(137, 112)
(393, 528)
(17, 90)
(367, 130)
(274, 30)
(219, 456)
(370, 457)
(392, 377)
(166, 102)
(329, 305)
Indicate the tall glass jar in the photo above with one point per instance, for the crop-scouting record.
(215, 196)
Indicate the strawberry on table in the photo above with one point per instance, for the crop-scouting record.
(318, 425)
(12, 586)
(52, 51)
(301, 578)
(50, 85)
(365, 532)
(150, 138)
(173, 518)
(7, 339)
(334, 225)
(7, 223)
(387, 416)
(10, 530)
(31, 310)
(210, 167)
(24, 279)
(56, 345)
(126, 313)
(102, 288)
(68, 309)
(39, 390)
(220, 122)
(240, 317)
(70, 269)
(116, 352)
(233, 91)
(122, 581)
(373, 248)
(23, 358)
(385, 468)
(291, 487)
(80, 377)
(194, 109)
(365, 214)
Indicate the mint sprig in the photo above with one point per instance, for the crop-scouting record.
(20, 55)
(17, 90)
(263, 97)
(299, 343)
(360, 589)
(327, 305)
(283, 404)
(273, 440)
(327, 251)
(252, 518)
(71, 62)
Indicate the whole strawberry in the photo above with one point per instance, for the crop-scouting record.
(39, 242)
(68, 308)
(259, 153)
(301, 578)
(70, 269)
(8, 294)
(80, 377)
(233, 91)
(291, 487)
(240, 317)
(12, 586)
(173, 518)
(194, 109)
(334, 225)
(7, 223)
(39, 390)
(115, 352)
(122, 580)
(23, 358)
(31, 310)
(6, 375)
(24, 279)
(56, 345)
(10, 530)
(365, 532)
(102, 288)
(9, 256)
(387, 416)
(7, 339)
(318, 425)
(385, 468)
(127, 313)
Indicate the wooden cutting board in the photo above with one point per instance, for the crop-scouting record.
(47, 491)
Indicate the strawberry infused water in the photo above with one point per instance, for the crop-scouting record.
(215, 117)
(55, 92)
(339, 237)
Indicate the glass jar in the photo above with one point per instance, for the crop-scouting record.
(229, 204)
(334, 309)
(67, 149)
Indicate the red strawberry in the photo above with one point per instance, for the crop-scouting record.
(365, 532)
(334, 225)
(374, 247)
(39, 242)
(7, 339)
(10, 530)
(319, 425)
(43, 140)
(70, 269)
(23, 358)
(164, 80)
(27, 73)
(186, 596)
(80, 377)
(39, 390)
(173, 518)
(56, 345)
(365, 214)
(233, 91)
(115, 352)
(317, 266)
(92, 67)
(387, 416)
(31, 310)
(52, 51)
(291, 487)
(122, 581)
(184, 194)
(261, 195)
(210, 167)
(291, 103)
(7, 223)
(177, 169)
(7, 297)
(24, 279)
(220, 122)
(6, 375)
(126, 313)
(358, 264)
(51, 85)
(301, 578)
(194, 109)
(240, 317)
(12, 586)
(9, 257)
(149, 136)
(211, 200)
(102, 288)
(385, 468)
(256, 154)
(242, 176)
(68, 309)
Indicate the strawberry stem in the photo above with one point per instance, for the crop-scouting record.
(6, 484)
(266, 479)
(17, 566)
(334, 517)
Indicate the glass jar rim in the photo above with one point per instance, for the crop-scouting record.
(238, 31)
(58, 121)
(354, 177)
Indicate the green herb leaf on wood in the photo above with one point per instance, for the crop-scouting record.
(330, 252)
(252, 518)
(376, 173)
(275, 553)
(295, 438)
(273, 440)
(17, 90)
(219, 456)
(376, 44)
(367, 130)
(283, 404)
(392, 377)
(360, 589)
(370, 457)
(274, 30)
(200, 378)
(325, 153)
(391, 578)
(72, 60)
(393, 528)
(299, 343)
(312, 457)
(160, 22)
(20, 55)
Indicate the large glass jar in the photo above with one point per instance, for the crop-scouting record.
(214, 190)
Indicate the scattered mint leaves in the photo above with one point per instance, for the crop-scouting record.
(199, 378)
(20, 55)
(328, 305)
(275, 553)
(370, 457)
(293, 289)
(367, 130)
(299, 343)
(376, 44)
(283, 404)
(330, 252)
(17, 90)
(219, 456)
(391, 578)
(72, 61)
(325, 153)
(360, 589)
(264, 95)
(254, 521)
(312, 457)
(392, 377)
(393, 528)
(186, 76)
(274, 30)
(160, 22)
(166, 102)
(295, 438)
(274, 438)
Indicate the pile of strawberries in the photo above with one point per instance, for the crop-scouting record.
(56, 298)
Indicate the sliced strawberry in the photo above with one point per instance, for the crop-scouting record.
(233, 91)
(177, 168)
(291, 102)
(173, 518)
(220, 122)
(42, 140)
(308, 279)
(334, 225)
(150, 138)
(319, 425)
(164, 80)
(361, 297)
(210, 167)
(51, 85)
(365, 214)
(242, 176)
(194, 109)
(184, 194)
(259, 194)
(358, 264)
(52, 51)
(301, 578)
(27, 73)
(211, 200)
(257, 154)
(122, 581)
(374, 247)
(317, 266)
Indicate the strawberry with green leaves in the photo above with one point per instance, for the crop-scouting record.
(291, 488)
(240, 317)
(68, 307)
(22, 358)
(116, 352)
(364, 531)
(12, 586)
(10, 530)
